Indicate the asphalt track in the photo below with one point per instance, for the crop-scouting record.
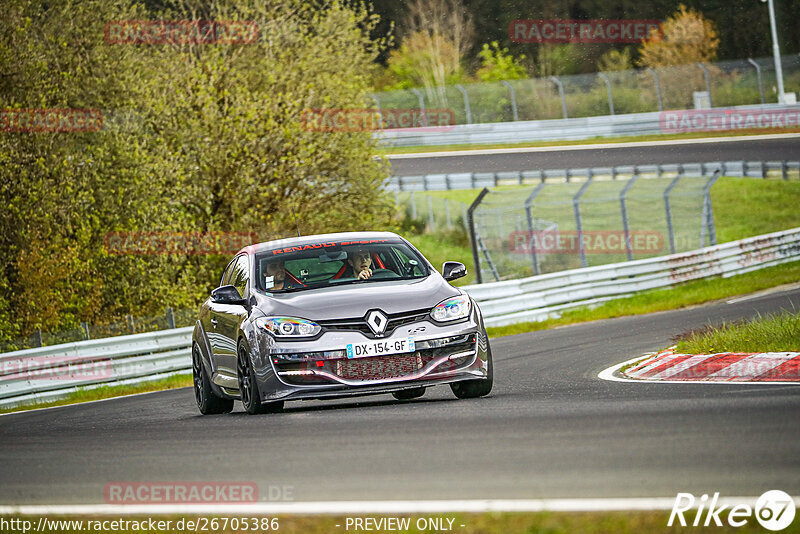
(787, 148)
(550, 429)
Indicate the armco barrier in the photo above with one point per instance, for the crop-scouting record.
(539, 297)
(51, 373)
(631, 124)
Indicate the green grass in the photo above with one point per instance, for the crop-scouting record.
(629, 522)
(679, 296)
(107, 392)
(774, 333)
(593, 141)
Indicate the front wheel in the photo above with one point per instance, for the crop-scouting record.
(248, 389)
(207, 402)
(470, 389)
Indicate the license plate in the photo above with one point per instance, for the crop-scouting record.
(377, 348)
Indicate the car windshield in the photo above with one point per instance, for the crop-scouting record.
(324, 264)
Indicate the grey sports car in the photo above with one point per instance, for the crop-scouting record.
(334, 315)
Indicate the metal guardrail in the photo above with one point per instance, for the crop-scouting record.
(540, 297)
(50, 373)
(479, 180)
(631, 124)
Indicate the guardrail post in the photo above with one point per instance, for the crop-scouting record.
(85, 327)
(784, 170)
(466, 103)
(605, 78)
(431, 221)
(708, 83)
(531, 229)
(472, 234)
(657, 82)
(763, 169)
(561, 94)
(668, 210)
(708, 213)
(513, 99)
(758, 73)
(624, 211)
(576, 206)
(171, 316)
(421, 106)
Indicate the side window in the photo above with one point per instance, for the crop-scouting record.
(226, 274)
(240, 274)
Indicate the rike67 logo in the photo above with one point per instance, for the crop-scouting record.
(774, 510)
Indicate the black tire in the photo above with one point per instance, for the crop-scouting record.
(471, 389)
(248, 388)
(408, 394)
(207, 401)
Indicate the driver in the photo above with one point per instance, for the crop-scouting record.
(359, 264)
(277, 271)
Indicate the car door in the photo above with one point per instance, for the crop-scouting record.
(225, 320)
(209, 319)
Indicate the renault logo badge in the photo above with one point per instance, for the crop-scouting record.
(377, 321)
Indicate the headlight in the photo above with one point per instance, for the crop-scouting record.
(451, 309)
(290, 327)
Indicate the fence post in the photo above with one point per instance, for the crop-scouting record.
(466, 103)
(129, 319)
(668, 210)
(413, 206)
(608, 86)
(561, 93)
(657, 82)
(576, 206)
(758, 73)
(531, 229)
(430, 212)
(708, 83)
(513, 100)
(170, 318)
(624, 211)
(37, 338)
(447, 213)
(85, 327)
(464, 218)
(708, 213)
(472, 235)
(421, 106)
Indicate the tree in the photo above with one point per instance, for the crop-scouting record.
(688, 37)
(497, 64)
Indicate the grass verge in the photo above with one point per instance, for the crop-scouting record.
(388, 151)
(107, 392)
(629, 522)
(678, 296)
(773, 333)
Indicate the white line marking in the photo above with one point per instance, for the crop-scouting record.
(610, 375)
(368, 507)
(599, 146)
(765, 293)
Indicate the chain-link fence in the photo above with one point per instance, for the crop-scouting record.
(728, 83)
(552, 227)
(432, 213)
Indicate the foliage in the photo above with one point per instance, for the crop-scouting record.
(497, 64)
(688, 38)
(215, 142)
(615, 60)
(773, 333)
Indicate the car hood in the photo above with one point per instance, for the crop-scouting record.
(355, 300)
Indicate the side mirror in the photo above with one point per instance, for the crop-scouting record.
(452, 270)
(227, 295)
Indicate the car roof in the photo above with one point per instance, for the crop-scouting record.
(317, 238)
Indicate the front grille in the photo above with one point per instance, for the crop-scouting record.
(379, 367)
(360, 325)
